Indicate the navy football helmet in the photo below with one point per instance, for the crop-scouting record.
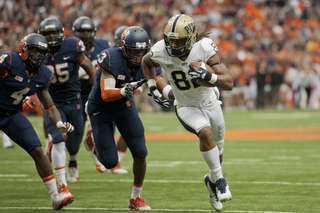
(83, 28)
(117, 35)
(33, 49)
(135, 43)
(52, 30)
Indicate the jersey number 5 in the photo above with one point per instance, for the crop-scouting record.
(60, 73)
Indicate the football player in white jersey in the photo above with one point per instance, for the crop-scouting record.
(197, 107)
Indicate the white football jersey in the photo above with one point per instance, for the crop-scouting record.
(186, 93)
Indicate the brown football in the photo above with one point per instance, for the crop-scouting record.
(204, 83)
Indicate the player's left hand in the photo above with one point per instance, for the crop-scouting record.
(64, 128)
(137, 84)
(28, 105)
(217, 94)
(157, 97)
(199, 74)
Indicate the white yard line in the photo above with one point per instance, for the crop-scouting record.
(163, 210)
(172, 181)
(14, 175)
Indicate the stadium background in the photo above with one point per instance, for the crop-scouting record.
(271, 156)
(270, 47)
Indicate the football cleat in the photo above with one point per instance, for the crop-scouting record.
(99, 165)
(64, 189)
(73, 174)
(61, 200)
(215, 203)
(138, 204)
(117, 170)
(222, 189)
(88, 141)
(48, 151)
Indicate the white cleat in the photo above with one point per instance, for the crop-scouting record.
(222, 190)
(99, 165)
(215, 203)
(117, 170)
(61, 200)
(73, 174)
(138, 204)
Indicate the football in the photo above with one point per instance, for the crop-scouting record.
(204, 83)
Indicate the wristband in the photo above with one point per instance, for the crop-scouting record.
(152, 83)
(58, 124)
(166, 90)
(213, 79)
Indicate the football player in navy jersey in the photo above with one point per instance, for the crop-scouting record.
(66, 55)
(110, 101)
(84, 28)
(23, 75)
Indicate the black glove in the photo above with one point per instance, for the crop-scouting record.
(157, 97)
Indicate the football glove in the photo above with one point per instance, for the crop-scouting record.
(64, 128)
(138, 84)
(28, 105)
(127, 90)
(217, 94)
(201, 74)
(157, 97)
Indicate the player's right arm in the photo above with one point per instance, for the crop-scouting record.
(53, 113)
(148, 68)
(109, 92)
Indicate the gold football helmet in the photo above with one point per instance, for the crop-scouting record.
(181, 27)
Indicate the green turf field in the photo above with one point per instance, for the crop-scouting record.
(265, 176)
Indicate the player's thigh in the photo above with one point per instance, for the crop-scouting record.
(20, 130)
(217, 125)
(132, 130)
(103, 135)
(192, 118)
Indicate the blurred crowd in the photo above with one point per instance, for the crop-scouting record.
(271, 47)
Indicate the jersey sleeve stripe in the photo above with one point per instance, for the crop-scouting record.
(10, 61)
(109, 59)
(5, 75)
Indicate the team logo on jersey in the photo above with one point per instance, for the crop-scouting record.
(18, 78)
(121, 77)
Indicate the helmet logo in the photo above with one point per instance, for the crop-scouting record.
(86, 26)
(190, 28)
(51, 26)
(124, 34)
(42, 44)
(141, 45)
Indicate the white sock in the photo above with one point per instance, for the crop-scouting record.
(212, 159)
(121, 155)
(47, 140)
(6, 140)
(73, 157)
(51, 184)
(59, 161)
(136, 190)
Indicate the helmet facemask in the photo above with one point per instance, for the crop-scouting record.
(87, 36)
(37, 56)
(135, 54)
(54, 38)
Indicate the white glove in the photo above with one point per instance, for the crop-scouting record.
(217, 94)
(127, 90)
